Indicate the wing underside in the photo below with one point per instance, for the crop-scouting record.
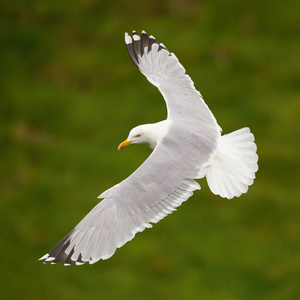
(163, 69)
(115, 221)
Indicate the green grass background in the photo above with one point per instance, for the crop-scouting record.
(70, 95)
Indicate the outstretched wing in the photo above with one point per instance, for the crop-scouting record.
(164, 70)
(154, 190)
(164, 180)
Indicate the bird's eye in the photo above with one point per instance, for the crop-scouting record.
(138, 135)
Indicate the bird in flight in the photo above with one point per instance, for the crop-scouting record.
(188, 145)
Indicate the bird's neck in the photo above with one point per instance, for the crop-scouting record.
(156, 132)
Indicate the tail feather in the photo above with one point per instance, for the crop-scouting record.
(231, 169)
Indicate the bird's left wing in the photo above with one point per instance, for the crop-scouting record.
(154, 190)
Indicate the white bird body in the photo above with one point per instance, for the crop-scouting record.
(187, 145)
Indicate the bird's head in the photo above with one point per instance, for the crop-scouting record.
(142, 134)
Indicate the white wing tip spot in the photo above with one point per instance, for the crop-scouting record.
(128, 38)
(136, 37)
(50, 259)
(44, 257)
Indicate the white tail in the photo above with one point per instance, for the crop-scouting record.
(231, 169)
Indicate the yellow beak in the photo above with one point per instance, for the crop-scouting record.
(124, 144)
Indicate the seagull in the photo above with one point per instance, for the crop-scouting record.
(188, 145)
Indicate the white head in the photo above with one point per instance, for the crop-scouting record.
(145, 134)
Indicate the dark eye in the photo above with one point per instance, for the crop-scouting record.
(138, 135)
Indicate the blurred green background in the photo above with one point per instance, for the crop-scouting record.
(70, 95)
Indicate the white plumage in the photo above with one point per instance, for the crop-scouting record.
(187, 145)
(232, 166)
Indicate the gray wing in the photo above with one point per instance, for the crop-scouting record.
(164, 70)
(164, 180)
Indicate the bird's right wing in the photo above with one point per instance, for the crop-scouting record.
(164, 70)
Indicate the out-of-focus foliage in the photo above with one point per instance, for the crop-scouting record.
(70, 94)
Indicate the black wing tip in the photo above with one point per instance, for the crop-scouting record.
(129, 39)
(136, 45)
(136, 37)
(162, 46)
(131, 47)
(47, 258)
(57, 254)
